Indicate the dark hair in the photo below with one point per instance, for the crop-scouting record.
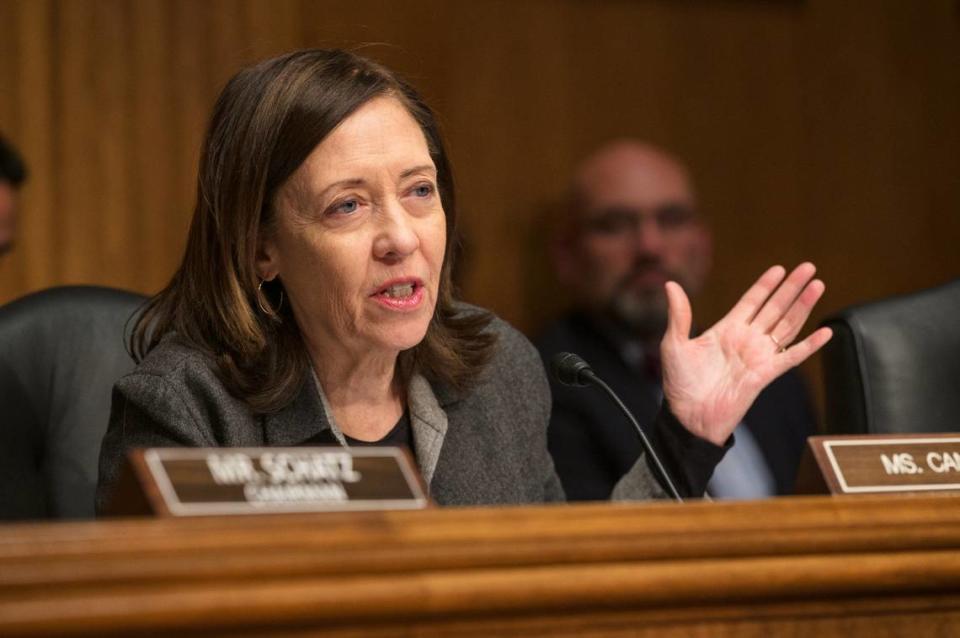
(266, 122)
(12, 168)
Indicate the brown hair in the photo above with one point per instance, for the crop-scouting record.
(266, 122)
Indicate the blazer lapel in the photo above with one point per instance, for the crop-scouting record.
(303, 419)
(429, 422)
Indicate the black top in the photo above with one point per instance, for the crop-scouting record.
(400, 436)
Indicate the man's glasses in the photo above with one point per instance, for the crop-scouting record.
(625, 220)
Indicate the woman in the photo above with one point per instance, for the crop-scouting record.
(314, 306)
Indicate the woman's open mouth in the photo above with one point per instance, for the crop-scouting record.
(400, 294)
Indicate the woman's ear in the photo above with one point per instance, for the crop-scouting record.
(267, 264)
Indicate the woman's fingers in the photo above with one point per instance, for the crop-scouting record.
(781, 301)
(797, 354)
(680, 316)
(752, 300)
(787, 329)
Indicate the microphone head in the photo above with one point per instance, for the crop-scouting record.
(570, 369)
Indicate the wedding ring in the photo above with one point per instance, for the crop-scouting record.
(780, 346)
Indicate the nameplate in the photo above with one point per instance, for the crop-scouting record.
(234, 481)
(874, 464)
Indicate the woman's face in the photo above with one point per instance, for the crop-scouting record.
(359, 235)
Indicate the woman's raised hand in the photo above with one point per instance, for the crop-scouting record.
(712, 380)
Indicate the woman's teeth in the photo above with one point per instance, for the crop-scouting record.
(399, 290)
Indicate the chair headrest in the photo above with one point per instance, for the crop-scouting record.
(894, 364)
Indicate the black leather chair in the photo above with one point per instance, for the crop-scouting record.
(893, 366)
(61, 350)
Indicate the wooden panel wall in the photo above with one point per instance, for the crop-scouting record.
(815, 129)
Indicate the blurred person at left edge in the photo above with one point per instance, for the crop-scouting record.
(12, 175)
(314, 306)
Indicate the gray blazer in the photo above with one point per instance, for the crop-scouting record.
(486, 446)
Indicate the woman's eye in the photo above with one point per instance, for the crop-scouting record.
(346, 207)
(423, 190)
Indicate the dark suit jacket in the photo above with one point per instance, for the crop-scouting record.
(592, 444)
(485, 446)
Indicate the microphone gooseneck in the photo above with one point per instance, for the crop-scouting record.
(570, 369)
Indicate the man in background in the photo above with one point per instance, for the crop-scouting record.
(12, 175)
(632, 224)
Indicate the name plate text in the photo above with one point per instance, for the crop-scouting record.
(223, 481)
(886, 463)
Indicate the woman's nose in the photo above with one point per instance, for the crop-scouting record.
(397, 236)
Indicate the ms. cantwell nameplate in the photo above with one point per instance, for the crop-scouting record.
(215, 481)
(889, 463)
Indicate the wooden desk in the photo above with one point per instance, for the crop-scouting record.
(842, 566)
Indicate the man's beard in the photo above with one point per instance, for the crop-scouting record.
(643, 312)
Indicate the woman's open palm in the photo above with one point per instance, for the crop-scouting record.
(712, 380)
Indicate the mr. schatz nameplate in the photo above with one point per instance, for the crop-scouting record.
(217, 481)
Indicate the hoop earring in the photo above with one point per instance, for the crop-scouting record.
(268, 311)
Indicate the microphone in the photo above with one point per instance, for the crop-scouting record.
(570, 369)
